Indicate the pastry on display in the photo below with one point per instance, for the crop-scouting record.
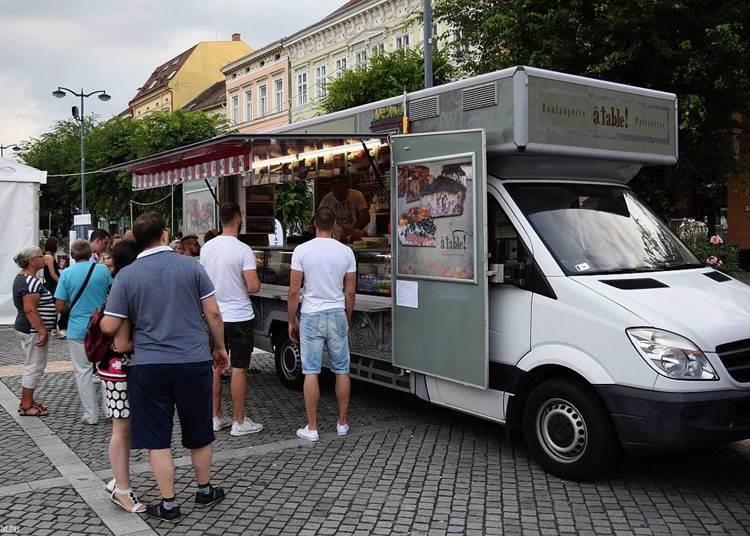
(460, 172)
(444, 197)
(417, 228)
(418, 175)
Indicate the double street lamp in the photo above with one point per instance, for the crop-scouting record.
(11, 146)
(80, 116)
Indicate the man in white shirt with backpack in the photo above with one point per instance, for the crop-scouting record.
(231, 266)
(330, 275)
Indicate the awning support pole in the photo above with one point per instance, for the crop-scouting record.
(374, 166)
(213, 194)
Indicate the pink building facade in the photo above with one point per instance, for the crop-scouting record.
(257, 90)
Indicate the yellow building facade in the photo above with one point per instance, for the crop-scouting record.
(181, 79)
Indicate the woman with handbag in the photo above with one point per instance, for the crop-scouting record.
(113, 372)
(36, 316)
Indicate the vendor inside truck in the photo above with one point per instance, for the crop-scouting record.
(350, 207)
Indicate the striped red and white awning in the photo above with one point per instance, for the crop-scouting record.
(231, 165)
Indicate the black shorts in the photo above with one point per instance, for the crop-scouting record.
(238, 338)
(154, 391)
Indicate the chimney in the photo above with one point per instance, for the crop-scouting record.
(236, 37)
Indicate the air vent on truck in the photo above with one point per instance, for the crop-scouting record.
(634, 284)
(479, 97)
(717, 276)
(424, 108)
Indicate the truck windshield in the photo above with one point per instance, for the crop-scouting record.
(599, 229)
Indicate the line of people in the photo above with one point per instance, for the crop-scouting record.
(159, 308)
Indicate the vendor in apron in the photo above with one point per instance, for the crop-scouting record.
(350, 207)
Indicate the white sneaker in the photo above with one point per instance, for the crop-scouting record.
(61, 334)
(342, 429)
(222, 422)
(307, 434)
(245, 428)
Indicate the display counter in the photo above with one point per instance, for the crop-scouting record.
(373, 269)
(370, 335)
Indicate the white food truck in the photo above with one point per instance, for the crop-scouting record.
(507, 270)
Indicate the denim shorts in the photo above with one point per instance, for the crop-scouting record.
(327, 330)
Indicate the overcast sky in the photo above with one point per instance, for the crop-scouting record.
(115, 45)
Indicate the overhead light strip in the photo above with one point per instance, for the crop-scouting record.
(341, 149)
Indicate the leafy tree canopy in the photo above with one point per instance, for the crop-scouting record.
(698, 50)
(107, 143)
(386, 75)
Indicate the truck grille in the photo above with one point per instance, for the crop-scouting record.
(736, 358)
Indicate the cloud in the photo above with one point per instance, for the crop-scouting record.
(111, 45)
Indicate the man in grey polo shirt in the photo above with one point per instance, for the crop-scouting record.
(163, 296)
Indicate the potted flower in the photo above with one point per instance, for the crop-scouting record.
(387, 119)
(711, 250)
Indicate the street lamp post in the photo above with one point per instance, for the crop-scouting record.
(11, 146)
(103, 96)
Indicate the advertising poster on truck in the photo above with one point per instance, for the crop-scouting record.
(436, 219)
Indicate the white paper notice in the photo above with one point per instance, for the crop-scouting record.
(407, 293)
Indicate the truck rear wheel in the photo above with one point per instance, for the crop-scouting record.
(288, 363)
(568, 430)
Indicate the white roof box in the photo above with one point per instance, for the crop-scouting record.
(532, 112)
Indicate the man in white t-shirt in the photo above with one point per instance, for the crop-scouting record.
(330, 274)
(231, 266)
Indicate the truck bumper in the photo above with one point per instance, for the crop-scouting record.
(649, 422)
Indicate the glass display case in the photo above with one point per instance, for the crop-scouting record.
(278, 267)
(373, 270)
(374, 273)
(260, 263)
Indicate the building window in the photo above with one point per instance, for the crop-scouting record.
(235, 109)
(360, 59)
(402, 41)
(378, 49)
(248, 105)
(262, 101)
(301, 89)
(320, 81)
(278, 95)
(340, 67)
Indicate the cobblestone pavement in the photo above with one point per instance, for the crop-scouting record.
(406, 468)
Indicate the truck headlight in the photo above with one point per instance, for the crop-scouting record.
(671, 355)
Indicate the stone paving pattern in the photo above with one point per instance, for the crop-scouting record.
(50, 512)
(20, 459)
(280, 410)
(411, 468)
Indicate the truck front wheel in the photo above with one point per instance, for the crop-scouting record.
(568, 430)
(288, 363)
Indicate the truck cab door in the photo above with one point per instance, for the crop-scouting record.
(439, 238)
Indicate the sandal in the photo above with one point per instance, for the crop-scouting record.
(158, 511)
(33, 411)
(135, 507)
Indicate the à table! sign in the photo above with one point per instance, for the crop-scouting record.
(435, 204)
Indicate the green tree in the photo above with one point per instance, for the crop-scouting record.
(386, 75)
(110, 142)
(698, 50)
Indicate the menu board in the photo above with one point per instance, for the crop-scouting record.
(435, 219)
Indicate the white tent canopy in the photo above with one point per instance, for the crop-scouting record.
(19, 224)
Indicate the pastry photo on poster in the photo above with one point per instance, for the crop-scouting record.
(435, 204)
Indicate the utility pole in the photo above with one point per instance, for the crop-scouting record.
(427, 43)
